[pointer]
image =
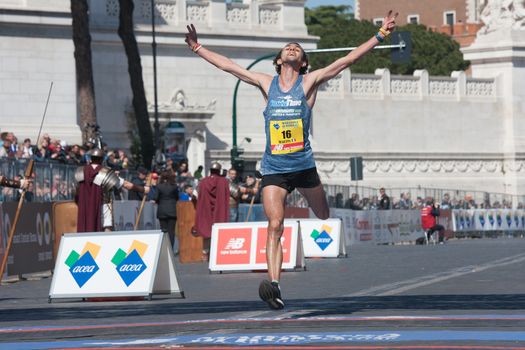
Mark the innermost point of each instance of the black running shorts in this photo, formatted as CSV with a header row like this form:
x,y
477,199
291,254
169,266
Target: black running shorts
x,y
307,178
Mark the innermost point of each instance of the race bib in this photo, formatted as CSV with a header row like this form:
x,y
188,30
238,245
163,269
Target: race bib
x,y
286,136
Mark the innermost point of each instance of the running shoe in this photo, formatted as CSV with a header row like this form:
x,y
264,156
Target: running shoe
x,y
270,293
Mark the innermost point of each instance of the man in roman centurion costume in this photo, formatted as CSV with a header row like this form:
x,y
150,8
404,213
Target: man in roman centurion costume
x,y
94,194
5,182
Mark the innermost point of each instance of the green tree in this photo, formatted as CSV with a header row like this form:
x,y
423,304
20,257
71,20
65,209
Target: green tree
x,y
438,53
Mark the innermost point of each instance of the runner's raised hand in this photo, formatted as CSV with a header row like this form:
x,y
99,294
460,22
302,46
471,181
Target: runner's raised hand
x,y
191,36
389,22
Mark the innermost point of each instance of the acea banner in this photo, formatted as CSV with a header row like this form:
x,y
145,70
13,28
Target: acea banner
x,y
322,238
105,264
466,220
242,246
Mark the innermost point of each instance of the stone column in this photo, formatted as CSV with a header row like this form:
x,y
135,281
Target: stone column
x,y
499,51
287,15
218,13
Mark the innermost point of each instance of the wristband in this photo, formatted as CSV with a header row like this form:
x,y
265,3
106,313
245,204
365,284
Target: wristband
x,y
384,32
196,47
379,37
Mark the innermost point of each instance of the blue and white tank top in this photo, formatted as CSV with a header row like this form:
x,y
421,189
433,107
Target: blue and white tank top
x,y
287,123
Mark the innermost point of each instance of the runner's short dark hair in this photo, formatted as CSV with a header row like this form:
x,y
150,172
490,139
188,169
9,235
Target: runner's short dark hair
x,y
303,69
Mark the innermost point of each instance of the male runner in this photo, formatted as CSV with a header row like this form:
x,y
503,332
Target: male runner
x,y
288,161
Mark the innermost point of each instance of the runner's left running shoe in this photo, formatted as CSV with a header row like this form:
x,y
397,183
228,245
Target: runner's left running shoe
x,y
271,294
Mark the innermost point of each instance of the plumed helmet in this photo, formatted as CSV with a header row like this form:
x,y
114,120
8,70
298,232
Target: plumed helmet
x,y
97,152
216,166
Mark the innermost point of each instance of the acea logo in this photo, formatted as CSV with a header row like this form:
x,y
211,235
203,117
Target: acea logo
x,y
130,265
322,239
83,266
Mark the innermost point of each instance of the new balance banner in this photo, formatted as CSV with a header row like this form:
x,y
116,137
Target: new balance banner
x,y
242,246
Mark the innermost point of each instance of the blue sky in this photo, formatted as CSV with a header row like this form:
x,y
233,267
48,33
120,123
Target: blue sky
x,y
315,3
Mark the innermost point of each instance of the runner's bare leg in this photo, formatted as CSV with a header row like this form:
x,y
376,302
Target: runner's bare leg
x,y
274,200
316,198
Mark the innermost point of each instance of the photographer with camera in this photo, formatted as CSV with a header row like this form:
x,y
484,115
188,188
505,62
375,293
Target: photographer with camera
x,y
429,221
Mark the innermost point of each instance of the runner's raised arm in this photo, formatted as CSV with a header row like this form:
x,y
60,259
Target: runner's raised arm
x,y
322,75
260,80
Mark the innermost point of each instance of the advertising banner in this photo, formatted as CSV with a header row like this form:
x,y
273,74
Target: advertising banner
x,y
322,238
110,264
126,212
408,222
379,226
468,220
32,247
347,218
445,219
242,246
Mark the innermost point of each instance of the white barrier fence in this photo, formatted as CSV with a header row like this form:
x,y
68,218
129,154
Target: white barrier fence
x,y
469,220
379,226
125,213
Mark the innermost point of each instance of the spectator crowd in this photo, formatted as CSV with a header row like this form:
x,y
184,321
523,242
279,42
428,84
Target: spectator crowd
x,y
57,184
48,149
55,161
446,201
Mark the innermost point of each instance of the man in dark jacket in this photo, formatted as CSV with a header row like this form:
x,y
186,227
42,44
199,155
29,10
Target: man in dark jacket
x,y
384,200
166,196
140,181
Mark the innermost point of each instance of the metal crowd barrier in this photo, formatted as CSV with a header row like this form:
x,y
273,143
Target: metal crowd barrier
x,y
55,181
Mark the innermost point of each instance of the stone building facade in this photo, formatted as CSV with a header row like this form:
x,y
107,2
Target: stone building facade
x,y
440,132
458,18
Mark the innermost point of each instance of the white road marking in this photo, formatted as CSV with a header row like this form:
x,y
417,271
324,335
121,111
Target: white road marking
x,y
403,286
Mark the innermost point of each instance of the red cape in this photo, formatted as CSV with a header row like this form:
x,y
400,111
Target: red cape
x,y
212,204
89,201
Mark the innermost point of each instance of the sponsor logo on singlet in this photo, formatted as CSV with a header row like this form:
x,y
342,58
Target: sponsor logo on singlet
x,y
286,101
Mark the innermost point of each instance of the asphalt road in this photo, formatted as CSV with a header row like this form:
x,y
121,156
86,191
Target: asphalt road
x,y
464,294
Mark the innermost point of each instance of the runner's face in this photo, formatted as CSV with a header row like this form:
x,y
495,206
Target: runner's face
x,y
292,53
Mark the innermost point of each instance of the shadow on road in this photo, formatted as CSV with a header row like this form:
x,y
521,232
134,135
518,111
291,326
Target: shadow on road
x,y
317,307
